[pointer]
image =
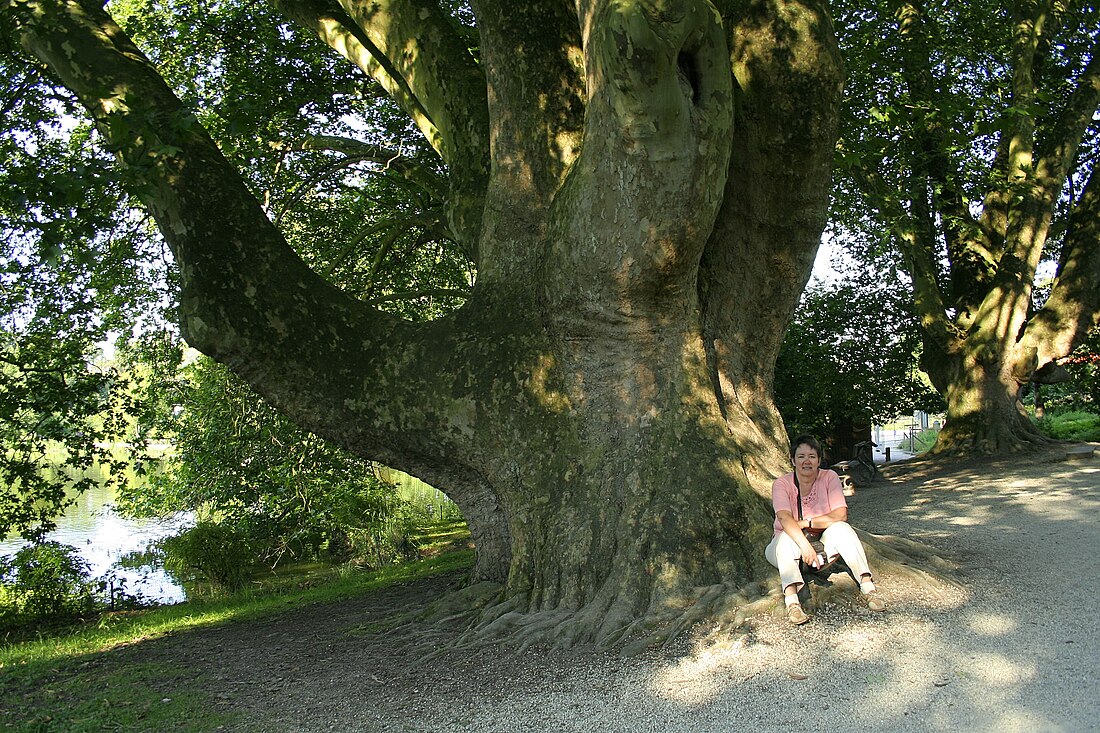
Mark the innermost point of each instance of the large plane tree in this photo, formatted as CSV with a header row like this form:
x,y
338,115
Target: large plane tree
x,y
641,186
971,143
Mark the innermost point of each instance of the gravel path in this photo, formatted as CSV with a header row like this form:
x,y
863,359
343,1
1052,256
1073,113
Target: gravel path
x,y
1010,651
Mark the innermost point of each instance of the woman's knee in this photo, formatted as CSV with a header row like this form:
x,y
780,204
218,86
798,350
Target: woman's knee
x,y
840,528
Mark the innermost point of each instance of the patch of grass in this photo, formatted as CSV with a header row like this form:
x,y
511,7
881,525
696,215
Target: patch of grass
x,y
82,697
1077,425
925,439
126,628
443,537
62,684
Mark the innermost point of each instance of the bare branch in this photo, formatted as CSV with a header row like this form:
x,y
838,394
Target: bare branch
x,y
359,151
412,294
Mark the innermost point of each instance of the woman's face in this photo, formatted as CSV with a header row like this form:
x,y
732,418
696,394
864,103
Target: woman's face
x,y
806,461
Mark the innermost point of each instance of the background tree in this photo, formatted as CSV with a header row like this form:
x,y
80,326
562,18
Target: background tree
x,y
850,356
640,186
970,140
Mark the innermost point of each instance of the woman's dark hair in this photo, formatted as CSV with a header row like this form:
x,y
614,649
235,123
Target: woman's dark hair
x,y
807,440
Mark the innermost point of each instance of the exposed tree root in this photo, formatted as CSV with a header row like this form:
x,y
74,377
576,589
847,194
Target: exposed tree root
x,y
989,441
895,560
476,616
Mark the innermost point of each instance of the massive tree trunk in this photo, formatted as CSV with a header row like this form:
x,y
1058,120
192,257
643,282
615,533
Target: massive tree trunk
x,y
983,409
643,184
974,270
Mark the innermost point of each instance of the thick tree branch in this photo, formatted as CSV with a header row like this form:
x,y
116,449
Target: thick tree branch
x,y
236,268
1073,308
656,138
1014,148
1036,184
415,51
336,28
1029,19
531,50
1058,149
386,389
788,76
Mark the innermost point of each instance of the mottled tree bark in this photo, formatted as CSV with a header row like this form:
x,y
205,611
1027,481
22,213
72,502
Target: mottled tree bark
x,y
600,409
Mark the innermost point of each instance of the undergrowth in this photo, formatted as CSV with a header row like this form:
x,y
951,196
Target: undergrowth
x,y
1075,425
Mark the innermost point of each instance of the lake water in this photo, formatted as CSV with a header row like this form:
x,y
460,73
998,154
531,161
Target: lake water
x,y
102,537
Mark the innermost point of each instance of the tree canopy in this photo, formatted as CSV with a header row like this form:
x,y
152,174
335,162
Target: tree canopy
x,y
970,144
850,357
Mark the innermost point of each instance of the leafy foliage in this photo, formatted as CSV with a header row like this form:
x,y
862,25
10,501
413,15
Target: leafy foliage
x,y
850,354
46,580
71,271
219,551
80,263
1073,425
352,184
266,489
49,584
1082,391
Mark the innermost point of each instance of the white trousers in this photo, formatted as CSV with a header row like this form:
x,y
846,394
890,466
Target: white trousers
x,y
839,539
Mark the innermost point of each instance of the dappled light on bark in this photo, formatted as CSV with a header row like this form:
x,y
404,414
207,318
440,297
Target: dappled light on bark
x,y
641,194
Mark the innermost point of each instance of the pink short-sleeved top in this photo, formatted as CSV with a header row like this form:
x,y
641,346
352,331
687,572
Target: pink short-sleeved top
x,y
826,495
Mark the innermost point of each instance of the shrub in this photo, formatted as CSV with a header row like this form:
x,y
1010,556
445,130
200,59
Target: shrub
x,y
46,581
388,537
1073,425
222,553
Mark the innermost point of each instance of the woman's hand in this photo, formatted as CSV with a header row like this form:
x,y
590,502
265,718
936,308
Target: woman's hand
x,y
809,555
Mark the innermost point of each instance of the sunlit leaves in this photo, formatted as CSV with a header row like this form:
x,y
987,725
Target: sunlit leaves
x,y
241,463
81,263
850,354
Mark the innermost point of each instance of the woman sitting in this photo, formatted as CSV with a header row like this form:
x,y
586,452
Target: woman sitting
x,y
811,500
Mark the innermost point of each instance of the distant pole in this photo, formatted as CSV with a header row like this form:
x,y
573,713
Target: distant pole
x,y
886,451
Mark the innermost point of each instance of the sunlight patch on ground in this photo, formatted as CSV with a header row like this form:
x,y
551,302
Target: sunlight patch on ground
x,y
966,521
1005,720
863,642
702,676
997,669
991,624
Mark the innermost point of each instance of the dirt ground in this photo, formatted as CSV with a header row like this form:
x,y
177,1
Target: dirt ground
x,y
1011,648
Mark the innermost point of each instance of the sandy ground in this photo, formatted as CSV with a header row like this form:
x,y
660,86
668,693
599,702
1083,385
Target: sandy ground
x,y
1012,649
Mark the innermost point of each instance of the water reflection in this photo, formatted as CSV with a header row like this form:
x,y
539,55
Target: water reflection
x,y
102,537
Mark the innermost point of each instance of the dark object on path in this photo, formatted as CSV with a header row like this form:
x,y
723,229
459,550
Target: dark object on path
x,y
861,470
1080,452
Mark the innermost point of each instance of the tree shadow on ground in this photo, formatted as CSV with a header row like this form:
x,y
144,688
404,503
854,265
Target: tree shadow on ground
x,y
1005,652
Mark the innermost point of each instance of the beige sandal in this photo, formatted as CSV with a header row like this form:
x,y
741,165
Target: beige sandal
x,y
874,601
